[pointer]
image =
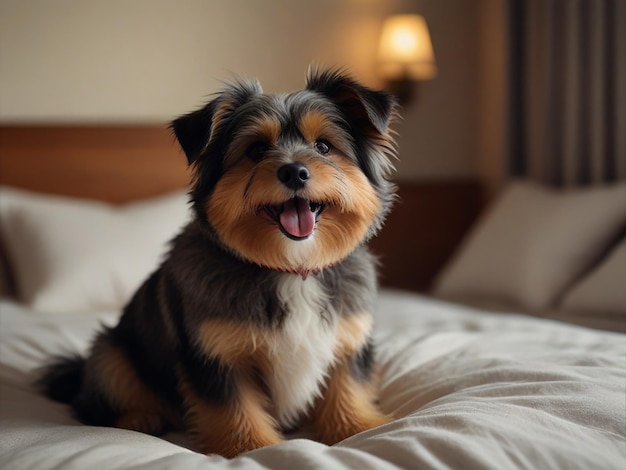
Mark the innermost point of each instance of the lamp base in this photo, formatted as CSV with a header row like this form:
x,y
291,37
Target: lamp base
x,y
403,88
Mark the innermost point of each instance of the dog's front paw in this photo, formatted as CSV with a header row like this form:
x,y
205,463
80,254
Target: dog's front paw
x,y
149,423
232,446
241,446
335,431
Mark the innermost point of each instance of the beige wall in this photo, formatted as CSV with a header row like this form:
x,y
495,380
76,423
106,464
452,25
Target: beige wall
x,y
148,60
121,61
438,135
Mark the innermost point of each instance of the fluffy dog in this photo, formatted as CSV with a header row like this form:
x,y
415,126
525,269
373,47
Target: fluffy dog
x,y
259,318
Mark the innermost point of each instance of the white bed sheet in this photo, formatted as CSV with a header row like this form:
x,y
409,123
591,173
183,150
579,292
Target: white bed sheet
x,y
469,389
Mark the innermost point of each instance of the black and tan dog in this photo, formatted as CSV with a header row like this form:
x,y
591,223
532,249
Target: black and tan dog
x,y
259,318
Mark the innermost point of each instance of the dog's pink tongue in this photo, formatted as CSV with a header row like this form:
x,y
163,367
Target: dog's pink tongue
x,y
297,218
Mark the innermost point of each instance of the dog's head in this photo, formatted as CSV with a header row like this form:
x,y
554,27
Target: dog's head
x,y
293,182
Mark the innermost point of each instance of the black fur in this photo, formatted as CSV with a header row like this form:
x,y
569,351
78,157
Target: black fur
x,y
63,378
150,311
363,363
91,406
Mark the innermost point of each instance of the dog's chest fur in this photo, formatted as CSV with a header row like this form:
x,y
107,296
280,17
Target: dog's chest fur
x,y
302,349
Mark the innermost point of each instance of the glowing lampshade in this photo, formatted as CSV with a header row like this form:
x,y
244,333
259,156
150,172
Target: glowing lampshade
x,y
406,51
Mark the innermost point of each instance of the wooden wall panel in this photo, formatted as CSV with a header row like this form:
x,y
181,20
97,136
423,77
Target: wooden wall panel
x,y
114,164
424,229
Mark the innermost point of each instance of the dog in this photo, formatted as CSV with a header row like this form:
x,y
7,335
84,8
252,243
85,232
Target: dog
x,y
258,320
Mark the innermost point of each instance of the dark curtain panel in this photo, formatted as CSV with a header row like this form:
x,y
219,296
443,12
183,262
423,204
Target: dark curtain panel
x,y
567,90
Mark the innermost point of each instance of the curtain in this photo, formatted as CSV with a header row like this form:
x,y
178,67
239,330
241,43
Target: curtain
x,y
567,90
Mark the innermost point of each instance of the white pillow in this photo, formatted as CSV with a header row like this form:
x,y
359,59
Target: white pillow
x,y
603,289
532,244
71,255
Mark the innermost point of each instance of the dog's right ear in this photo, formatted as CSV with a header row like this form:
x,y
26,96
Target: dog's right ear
x,y
197,130
193,130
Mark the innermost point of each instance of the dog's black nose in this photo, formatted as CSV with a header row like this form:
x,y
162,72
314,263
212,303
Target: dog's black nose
x,y
293,175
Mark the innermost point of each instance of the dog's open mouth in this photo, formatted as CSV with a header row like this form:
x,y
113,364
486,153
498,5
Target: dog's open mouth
x,y
296,217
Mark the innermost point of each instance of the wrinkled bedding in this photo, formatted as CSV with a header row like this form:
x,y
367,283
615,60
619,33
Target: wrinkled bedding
x,y
469,389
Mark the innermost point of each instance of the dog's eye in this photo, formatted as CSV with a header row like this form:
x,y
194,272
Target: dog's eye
x,y
322,146
257,150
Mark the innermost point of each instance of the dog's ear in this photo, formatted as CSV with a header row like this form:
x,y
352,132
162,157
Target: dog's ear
x,y
197,130
370,110
193,130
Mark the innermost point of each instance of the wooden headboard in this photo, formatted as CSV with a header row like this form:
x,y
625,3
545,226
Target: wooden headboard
x,y
121,164
113,164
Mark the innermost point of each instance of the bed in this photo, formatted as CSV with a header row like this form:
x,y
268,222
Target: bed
x,y
494,372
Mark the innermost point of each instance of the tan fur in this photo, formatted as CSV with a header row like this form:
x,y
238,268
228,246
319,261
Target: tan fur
x,y
224,108
264,128
233,342
315,125
139,408
233,428
235,209
346,408
352,334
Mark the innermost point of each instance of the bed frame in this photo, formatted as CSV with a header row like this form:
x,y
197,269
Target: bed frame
x,y
119,164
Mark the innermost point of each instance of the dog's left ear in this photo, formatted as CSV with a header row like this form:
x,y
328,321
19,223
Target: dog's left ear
x,y
197,130
369,109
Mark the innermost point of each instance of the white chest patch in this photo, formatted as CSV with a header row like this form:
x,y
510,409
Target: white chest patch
x,y
302,349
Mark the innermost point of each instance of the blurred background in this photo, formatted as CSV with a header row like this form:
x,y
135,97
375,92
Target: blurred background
x,y
497,70
146,61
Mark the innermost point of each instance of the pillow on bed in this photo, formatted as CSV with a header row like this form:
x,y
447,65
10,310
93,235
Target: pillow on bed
x,y
532,244
603,289
70,255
